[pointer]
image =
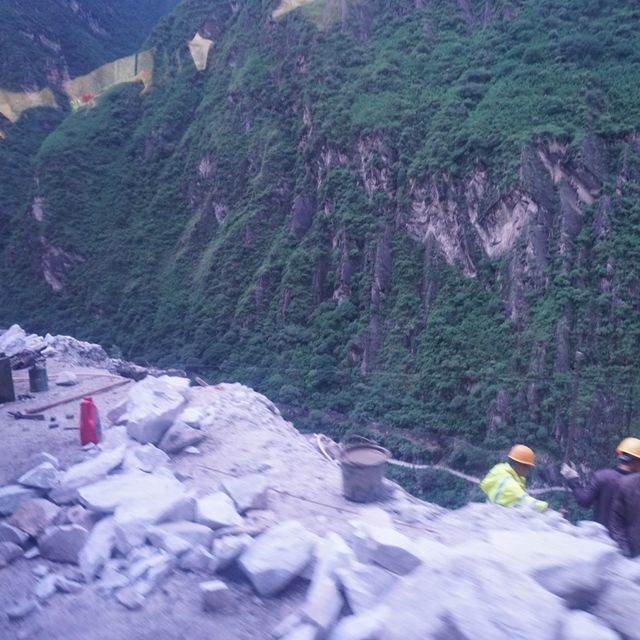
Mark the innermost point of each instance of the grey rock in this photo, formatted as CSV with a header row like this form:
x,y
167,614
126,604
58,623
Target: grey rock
x,y
40,570
46,587
302,632
216,596
193,417
179,436
364,585
67,379
133,519
193,532
287,625
277,557
183,509
393,550
227,549
63,543
76,514
194,451
199,560
145,458
63,496
44,476
493,608
9,552
22,609
34,516
92,470
98,549
130,597
152,406
618,609
323,604
105,496
580,625
13,495
111,579
247,492
365,626
117,415
9,533
147,573
217,510
32,552
169,542
64,585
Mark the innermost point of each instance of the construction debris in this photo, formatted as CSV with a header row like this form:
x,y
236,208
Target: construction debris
x,y
136,516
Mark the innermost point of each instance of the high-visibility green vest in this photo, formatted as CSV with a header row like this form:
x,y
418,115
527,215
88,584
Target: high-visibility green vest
x,y
505,487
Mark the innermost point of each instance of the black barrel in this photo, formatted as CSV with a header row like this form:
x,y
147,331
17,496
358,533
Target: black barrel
x,y
38,380
7,393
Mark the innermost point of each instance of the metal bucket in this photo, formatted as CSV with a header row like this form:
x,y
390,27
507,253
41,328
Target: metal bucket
x,y
38,380
363,466
7,392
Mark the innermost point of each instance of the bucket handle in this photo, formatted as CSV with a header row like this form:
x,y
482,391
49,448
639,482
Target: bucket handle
x,y
356,439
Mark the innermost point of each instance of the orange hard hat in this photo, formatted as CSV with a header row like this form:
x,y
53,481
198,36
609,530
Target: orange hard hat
x,y
522,454
630,446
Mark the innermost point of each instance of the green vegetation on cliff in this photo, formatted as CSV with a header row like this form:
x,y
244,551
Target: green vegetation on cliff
x,y
260,221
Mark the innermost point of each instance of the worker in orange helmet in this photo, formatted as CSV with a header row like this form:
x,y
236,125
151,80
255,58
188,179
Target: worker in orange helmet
x,y
601,490
506,483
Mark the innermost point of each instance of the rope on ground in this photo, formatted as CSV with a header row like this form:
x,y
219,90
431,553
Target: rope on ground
x,y
419,527
324,443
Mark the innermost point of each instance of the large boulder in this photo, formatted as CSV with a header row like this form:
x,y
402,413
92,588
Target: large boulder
x,y
277,557
247,492
568,566
152,406
9,533
217,510
580,625
44,476
12,496
92,470
618,608
194,533
98,548
134,518
64,543
179,436
364,585
105,496
15,339
34,516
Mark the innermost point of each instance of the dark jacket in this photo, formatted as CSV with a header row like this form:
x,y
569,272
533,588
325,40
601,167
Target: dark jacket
x,y
625,516
599,493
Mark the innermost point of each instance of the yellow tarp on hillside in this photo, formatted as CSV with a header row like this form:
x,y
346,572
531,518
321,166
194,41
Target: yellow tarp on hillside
x,y
199,49
135,68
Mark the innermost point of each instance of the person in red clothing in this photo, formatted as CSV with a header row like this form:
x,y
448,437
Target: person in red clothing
x,y
601,490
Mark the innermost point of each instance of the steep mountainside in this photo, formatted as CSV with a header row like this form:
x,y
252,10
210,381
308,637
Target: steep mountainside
x,y
420,212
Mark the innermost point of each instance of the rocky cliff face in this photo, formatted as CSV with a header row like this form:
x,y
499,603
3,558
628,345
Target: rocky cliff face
x,y
422,214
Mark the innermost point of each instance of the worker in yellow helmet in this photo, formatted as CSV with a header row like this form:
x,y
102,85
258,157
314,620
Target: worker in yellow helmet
x,y
625,513
601,489
506,483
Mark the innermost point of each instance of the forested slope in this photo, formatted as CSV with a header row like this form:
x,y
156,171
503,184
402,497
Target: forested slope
x,y
421,214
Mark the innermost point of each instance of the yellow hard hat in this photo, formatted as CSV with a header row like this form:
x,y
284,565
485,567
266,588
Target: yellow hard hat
x,y
522,454
630,446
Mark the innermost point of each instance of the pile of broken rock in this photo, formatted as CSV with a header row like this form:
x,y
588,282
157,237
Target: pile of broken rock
x,y
121,521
